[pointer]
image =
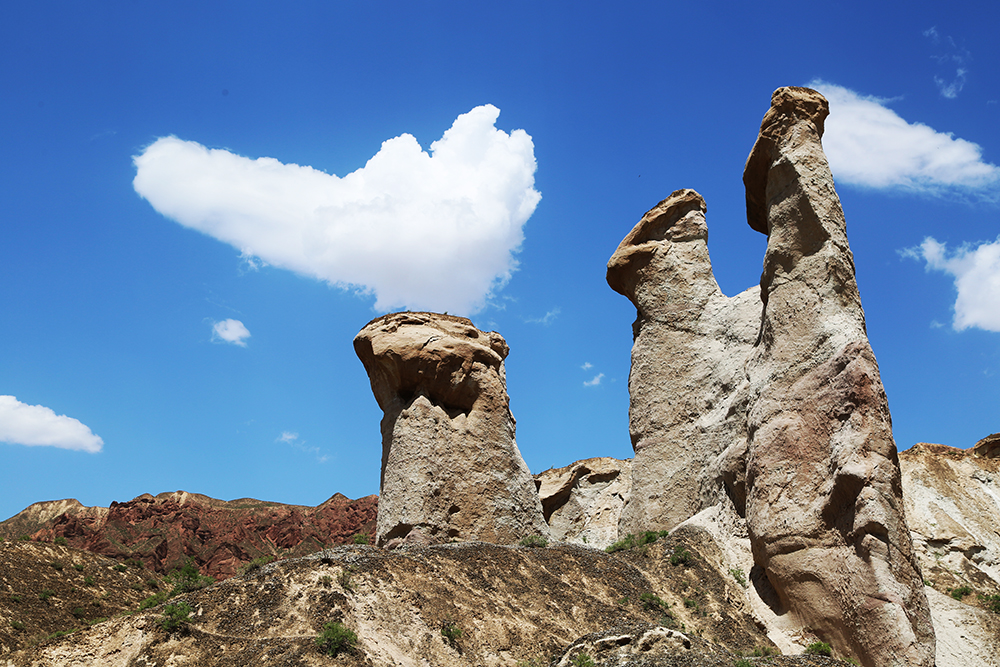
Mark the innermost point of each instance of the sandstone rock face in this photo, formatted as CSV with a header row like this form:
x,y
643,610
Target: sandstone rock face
x,y
824,500
687,383
582,503
451,469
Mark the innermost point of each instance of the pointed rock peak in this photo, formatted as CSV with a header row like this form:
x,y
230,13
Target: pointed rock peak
x,y
796,115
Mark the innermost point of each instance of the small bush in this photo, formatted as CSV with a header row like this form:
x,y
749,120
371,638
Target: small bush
x,y
961,592
344,579
25,538
78,567
992,602
582,660
819,648
175,616
79,612
120,568
763,651
153,584
651,602
681,556
15,597
96,603
135,586
631,541
95,621
738,576
154,600
361,538
451,632
187,578
57,565
45,595
255,564
17,625
135,562
742,662
326,580
88,580
336,639
61,541
690,604
534,541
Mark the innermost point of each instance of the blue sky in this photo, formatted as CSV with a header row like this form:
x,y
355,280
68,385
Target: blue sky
x,y
173,312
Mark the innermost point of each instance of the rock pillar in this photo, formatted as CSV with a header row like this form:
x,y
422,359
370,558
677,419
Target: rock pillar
x,y
451,469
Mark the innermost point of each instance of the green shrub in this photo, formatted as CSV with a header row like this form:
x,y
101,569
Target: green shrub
x,y
175,616
45,595
344,579
135,562
78,567
819,648
336,639
451,632
17,625
631,541
534,541
79,612
681,556
88,580
61,541
992,602
120,568
763,651
187,578
16,597
690,604
255,564
57,565
25,538
361,538
742,662
651,602
582,660
961,592
326,580
96,621
153,584
154,600
738,576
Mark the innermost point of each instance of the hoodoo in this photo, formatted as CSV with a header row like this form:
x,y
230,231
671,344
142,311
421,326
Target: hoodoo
x,y
824,498
451,469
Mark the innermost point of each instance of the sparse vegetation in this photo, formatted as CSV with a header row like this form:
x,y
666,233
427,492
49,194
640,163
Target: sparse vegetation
x,y
326,580
17,625
152,584
175,616
255,564
187,578
652,602
344,579
763,651
961,592
78,567
582,660
681,556
819,648
451,632
690,603
336,639
154,600
361,538
45,595
742,662
120,568
738,575
58,566
95,621
534,541
992,602
632,541
15,597
134,562
88,580
61,541
79,612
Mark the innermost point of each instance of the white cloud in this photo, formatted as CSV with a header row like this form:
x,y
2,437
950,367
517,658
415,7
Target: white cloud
x,y
949,86
977,278
230,331
595,381
547,319
287,436
587,366
34,425
421,230
291,438
869,145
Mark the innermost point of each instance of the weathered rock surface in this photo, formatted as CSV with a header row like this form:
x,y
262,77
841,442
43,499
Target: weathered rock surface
x,y
988,447
582,502
163,531
687,382
451,469
824,500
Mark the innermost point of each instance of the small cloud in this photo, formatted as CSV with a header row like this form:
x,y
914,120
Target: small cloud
x,y
290,438
952,56
951,89
251,262
547,319
36,425
430,230
869,145
976,271
595,381
587,366
932,33
230,331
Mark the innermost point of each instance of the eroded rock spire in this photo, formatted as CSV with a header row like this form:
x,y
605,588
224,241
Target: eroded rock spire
x,y
451,469
687,386
824,499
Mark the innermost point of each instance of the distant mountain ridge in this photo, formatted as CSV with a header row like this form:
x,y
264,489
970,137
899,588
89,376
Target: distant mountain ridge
x,y
163,531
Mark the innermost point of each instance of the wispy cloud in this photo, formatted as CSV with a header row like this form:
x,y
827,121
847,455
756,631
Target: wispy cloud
x,y
870,145
433,230
587,366
950,56
546,319
292,438
976,271
230,331
36,425
596,380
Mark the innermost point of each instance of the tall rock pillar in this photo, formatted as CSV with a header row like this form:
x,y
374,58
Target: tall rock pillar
x,y
687,385
824,499
451,469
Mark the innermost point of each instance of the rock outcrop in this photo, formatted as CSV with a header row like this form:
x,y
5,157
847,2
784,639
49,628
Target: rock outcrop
x,y
824,499
582,502
687,385
451,469
163,531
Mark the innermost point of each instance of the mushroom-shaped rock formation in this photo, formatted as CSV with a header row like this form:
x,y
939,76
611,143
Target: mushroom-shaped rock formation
x,y
824,501
687,385
451,469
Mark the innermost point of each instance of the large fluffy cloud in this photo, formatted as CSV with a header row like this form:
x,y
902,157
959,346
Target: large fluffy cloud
x,y
421,230
23,424
869,145
976,271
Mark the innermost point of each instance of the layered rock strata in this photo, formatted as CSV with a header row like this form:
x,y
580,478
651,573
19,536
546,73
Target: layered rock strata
x,y
451,469
824,499
687,383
